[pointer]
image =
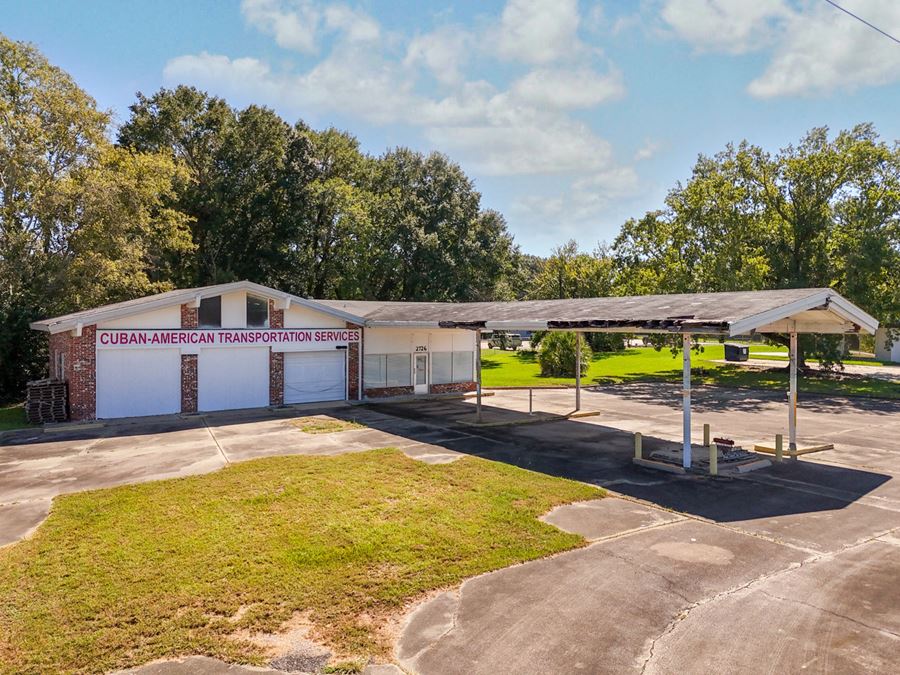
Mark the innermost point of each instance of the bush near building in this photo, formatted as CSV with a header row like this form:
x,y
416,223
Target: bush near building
x,y
557,355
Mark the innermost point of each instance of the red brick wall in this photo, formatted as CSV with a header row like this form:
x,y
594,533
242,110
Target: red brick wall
x,y
383,392
82,375
353,352
276,359
188,383
189,319
452,388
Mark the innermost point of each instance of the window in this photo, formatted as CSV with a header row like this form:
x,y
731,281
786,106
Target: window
x,y
210,313
463,367
441,367
387,370
257,312
447,367
374,371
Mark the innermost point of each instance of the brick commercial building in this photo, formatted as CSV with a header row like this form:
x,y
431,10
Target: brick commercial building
x,y
243,345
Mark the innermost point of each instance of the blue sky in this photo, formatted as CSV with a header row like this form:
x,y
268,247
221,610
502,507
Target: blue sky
x,y
570,116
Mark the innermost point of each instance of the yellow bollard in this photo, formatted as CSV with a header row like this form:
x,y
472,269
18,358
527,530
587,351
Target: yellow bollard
x,y
638,449
779,447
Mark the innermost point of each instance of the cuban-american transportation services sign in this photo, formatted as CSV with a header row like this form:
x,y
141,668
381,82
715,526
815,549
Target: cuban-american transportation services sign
x,y
191,340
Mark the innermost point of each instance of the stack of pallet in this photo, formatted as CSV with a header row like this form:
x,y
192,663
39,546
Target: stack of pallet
x,y
45,401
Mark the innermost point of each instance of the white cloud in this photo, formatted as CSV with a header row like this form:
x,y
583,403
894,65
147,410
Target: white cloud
x,y
357,26
538,31
443,52
647,150
816,48
823,50
733,26
293,26
566,88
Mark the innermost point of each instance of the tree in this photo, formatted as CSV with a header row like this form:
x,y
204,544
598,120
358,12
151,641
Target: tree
x,y
570,273
823,213
557,355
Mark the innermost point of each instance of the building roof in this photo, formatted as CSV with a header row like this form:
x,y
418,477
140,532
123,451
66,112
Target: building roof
x,y
804,310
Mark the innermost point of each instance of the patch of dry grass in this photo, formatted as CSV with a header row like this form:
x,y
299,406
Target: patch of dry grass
x,y
324,424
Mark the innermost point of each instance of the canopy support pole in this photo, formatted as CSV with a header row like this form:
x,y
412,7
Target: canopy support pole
x,y
478,375
577,371
792,396
686,400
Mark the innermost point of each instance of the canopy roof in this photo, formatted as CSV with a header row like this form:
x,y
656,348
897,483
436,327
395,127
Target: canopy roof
x,y
802,310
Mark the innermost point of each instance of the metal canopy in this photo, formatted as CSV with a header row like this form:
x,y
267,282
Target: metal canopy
x,y
803,310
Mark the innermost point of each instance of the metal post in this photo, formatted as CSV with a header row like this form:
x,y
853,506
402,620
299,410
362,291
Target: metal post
x,y
577,371
638,445
686,401
779,447
706,442
478,375
792,397
530,400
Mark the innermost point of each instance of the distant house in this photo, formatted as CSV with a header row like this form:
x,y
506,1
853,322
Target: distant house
x,y
886,348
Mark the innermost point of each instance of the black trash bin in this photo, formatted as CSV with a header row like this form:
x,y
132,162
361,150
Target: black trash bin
x,y
737,352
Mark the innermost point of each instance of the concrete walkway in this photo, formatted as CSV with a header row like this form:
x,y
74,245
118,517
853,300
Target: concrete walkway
x,y
879,372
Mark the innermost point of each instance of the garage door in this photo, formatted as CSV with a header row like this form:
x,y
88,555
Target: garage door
x,y
228,379
135,382
314,376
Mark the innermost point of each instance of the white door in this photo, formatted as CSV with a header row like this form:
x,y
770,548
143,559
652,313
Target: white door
x,y
228,379
420,373
137,382
315,376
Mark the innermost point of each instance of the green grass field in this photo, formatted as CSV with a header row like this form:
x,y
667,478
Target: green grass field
x,y
521,369
118,577
12,417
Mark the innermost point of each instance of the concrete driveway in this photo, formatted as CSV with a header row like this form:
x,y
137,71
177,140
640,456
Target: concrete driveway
x,y
792,568
796,567
36,466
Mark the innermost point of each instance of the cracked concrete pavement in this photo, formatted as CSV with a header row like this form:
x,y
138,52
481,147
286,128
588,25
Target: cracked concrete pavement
x,y
796,567
792,568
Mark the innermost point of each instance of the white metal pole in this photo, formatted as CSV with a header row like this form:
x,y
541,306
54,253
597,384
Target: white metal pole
x,y
577,371
478,375
792,397
686,400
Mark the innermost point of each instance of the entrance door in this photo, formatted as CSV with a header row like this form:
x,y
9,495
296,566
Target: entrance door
x,y
420,373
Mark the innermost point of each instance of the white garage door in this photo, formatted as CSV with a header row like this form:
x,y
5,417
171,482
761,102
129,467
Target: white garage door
x,y
228,379
314,376
134,382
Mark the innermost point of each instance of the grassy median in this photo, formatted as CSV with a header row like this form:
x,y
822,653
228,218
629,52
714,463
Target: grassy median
x,y
121,576
521,369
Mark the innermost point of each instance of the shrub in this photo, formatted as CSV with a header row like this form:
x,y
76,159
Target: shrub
x,y
606,342
557,355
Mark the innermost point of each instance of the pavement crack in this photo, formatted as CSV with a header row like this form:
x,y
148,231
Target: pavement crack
x,y
830,613
215,440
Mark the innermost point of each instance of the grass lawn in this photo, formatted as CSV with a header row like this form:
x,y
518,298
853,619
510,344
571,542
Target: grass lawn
x,y
324,424
118,577
521,369
12,417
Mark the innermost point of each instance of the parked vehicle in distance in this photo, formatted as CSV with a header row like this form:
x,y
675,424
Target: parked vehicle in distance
x,y
504,341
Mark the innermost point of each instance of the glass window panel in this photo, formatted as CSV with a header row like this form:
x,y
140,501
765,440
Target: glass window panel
x,y
257,312
210,313
399,370
441,367
374,371
462,366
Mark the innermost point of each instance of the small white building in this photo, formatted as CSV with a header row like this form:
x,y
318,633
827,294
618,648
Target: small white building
x,y
243,345
886,348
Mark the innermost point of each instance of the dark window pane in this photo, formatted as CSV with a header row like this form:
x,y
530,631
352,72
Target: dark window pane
x,y
210,314
257,312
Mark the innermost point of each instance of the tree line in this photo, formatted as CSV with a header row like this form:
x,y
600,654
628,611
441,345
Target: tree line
x,y
191,191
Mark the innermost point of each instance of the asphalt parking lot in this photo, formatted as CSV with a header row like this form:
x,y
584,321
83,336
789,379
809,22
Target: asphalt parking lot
x,y
795,567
